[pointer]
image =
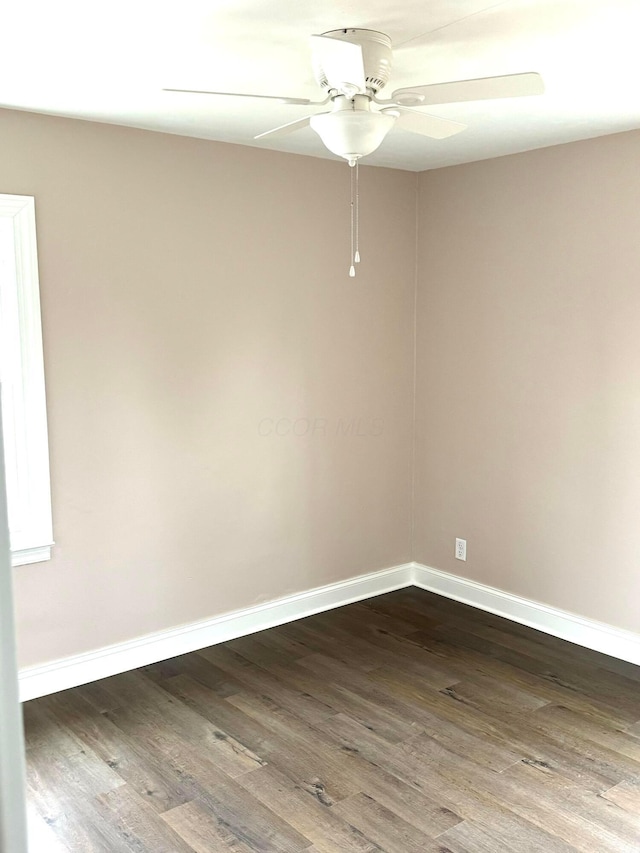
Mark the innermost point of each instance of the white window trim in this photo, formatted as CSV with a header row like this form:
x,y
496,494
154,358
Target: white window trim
x,y
26,410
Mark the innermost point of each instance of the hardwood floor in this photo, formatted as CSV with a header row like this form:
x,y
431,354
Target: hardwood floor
x,y
405,724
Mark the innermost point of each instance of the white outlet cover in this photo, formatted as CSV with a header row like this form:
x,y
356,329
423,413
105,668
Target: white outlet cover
x,y
461,549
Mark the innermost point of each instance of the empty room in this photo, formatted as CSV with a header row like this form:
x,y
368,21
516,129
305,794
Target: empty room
x,y
320,421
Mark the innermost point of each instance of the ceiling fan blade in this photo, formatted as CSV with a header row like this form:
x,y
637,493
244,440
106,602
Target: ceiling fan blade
x,y
341,62
285,129
480,89
282,100
424,124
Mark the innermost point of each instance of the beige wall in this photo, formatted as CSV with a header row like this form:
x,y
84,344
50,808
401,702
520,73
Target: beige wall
x,y
195,302
191,290
528,406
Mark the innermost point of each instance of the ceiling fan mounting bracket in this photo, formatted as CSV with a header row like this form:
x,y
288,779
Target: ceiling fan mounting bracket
x,y
376,53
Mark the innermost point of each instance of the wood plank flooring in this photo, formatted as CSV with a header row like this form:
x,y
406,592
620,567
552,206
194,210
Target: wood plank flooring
x,y
404,724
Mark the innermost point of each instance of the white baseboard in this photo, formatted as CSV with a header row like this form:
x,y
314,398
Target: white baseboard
x,y
79,669
72,671
598,636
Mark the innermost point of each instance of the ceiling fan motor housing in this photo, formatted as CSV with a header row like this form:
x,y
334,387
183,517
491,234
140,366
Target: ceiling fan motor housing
x,y
376,53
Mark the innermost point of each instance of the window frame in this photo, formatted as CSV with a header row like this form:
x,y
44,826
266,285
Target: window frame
x,y
24,410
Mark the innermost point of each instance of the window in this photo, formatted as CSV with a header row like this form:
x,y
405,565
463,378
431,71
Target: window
x,y
24,416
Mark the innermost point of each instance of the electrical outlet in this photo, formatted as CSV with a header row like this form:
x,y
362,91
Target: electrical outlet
x,y
461,549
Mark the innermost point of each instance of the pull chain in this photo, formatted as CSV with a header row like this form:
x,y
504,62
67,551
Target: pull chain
x,y
355,216
352,269
356,257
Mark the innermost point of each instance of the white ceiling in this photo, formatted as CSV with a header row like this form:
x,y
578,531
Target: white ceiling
x,y
108,61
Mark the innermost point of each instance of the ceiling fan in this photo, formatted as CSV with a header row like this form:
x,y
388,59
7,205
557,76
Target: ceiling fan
x,y
352,66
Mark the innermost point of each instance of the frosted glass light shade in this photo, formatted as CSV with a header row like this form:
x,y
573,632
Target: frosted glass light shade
x,y
352,134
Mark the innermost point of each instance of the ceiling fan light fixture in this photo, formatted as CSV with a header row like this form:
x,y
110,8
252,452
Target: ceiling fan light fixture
x,y
352,134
